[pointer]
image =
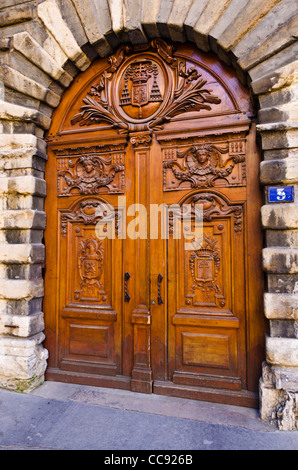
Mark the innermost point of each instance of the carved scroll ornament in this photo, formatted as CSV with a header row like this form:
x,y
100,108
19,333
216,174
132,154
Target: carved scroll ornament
x,y
145,79
200,165
88,174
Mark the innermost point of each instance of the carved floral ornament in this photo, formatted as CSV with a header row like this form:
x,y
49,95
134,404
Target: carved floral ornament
x,y
143,94
90,173
200,165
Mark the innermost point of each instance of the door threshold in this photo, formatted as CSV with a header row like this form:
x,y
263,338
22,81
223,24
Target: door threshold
x,y
118,381
228,397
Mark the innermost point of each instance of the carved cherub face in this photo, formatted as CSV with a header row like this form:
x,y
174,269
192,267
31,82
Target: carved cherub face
x,y
202,156
88,165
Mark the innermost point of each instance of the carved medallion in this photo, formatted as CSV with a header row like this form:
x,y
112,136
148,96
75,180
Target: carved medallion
x,y
143,94
142,86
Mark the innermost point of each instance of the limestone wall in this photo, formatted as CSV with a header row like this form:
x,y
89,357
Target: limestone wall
x,y
43,46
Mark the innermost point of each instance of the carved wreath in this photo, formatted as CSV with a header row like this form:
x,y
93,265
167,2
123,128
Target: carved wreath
x,y
190,94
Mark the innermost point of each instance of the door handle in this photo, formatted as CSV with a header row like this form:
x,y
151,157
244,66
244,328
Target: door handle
x,y
159,298
126,295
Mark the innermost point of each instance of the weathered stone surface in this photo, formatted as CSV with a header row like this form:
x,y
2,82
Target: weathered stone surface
x,y
280,216
224,21
283,96
23,307
26,219
14,112
71,18
282,351
281,306
279,78
286,57
23,185
10,3
96,21
279,405
116,12
268,36
21,289
269,400
20,325
283,329
193,15
282,238
19,82
285,378
22,362
21,253
278,135
18,14
18,144
245,21
280,260
150,10
176,18
209,16
50,15
283,113
279,171
32,50
132,21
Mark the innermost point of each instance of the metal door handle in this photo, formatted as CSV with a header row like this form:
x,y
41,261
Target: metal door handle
x,y
126,295
159,298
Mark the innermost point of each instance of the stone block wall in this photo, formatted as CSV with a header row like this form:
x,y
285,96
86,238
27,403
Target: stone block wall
x,y
44,44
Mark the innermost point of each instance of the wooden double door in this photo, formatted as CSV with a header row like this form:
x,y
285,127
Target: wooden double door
x,y
133,299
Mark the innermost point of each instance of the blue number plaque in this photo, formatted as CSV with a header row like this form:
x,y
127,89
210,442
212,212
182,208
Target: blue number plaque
x,y
281,194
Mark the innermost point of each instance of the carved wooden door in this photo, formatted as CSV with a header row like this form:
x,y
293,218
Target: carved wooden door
x,y
148,128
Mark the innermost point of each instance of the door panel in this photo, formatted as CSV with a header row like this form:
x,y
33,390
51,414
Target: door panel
x,y
155,126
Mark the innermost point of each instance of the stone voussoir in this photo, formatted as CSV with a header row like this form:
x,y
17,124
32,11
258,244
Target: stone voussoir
x,y
25,44
25,85
50,15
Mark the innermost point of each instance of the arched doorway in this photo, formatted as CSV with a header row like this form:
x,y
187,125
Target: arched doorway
x,y
155,125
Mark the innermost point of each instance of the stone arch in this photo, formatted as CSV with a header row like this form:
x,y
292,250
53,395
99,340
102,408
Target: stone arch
x,y
44,44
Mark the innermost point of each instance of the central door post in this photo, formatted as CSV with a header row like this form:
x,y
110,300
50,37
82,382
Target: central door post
x,y
141,316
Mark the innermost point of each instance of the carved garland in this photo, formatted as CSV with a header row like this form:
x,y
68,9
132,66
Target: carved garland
x,y
202,165
90,172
